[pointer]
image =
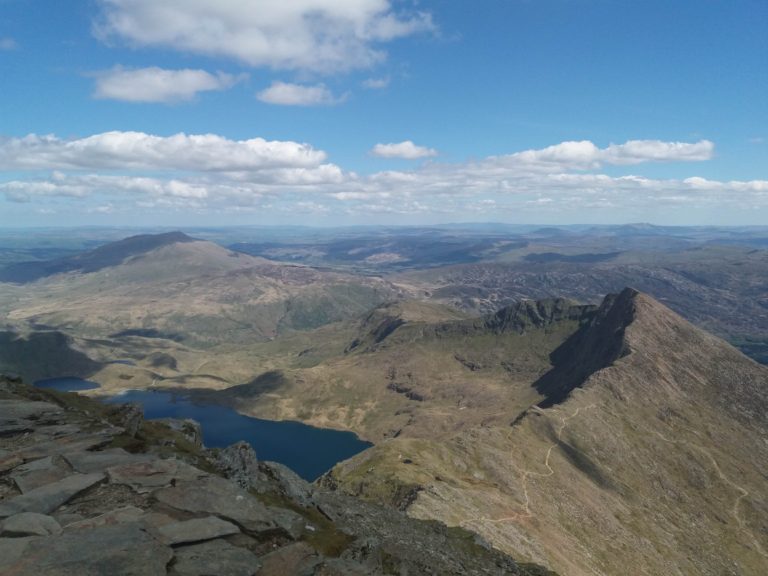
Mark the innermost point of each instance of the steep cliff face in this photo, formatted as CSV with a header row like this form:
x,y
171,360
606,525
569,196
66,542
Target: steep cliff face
x,y
648,455
91,489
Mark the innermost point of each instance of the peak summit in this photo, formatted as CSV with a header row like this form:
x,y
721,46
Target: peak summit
x,y
104,256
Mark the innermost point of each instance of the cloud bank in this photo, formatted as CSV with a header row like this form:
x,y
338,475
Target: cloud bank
x,y
209,173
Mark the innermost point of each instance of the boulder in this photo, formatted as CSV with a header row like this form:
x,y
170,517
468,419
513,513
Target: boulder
x,y
238,463
128,416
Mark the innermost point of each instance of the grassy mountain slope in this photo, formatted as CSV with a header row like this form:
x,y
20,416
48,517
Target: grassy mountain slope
x,y
655,462
175,287
416,370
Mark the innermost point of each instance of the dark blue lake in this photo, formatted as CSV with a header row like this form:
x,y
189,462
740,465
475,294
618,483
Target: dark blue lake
x,y
307,450
67,384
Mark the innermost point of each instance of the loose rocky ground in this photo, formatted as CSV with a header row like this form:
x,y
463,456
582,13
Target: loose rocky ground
x,y
87,489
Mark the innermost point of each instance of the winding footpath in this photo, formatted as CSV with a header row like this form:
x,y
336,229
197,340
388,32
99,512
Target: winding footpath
x,y
526,512
743,492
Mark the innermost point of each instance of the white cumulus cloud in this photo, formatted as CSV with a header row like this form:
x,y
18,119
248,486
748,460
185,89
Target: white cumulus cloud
x,y
157,84
137,150
317,35
209,173
585,155
287,94
7,43
406,150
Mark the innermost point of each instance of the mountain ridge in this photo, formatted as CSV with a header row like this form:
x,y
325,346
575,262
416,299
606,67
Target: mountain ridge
x,y
665,432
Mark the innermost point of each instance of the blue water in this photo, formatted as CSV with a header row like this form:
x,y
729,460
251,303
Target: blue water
x,y
307,450
67,384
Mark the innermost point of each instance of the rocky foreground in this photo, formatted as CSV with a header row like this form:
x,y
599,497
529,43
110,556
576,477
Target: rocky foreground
x,y
88,489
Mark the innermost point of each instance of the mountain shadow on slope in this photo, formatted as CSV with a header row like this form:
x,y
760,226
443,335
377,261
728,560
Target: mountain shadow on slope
x,y
43,355
596,345
102,257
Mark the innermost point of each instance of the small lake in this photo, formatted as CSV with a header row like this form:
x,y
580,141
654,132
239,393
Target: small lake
x,y
67,384
307,450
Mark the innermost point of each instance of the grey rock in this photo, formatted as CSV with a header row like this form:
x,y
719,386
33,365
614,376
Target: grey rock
x,y
71,443
49,497
12,550
27,410
289,521
129,416
288,483
10,461
214,495
238,463
214,558
152,474
15,427
121,550
29,524
39,472
67,518
297,559
196,530
86,462
339,567
119,516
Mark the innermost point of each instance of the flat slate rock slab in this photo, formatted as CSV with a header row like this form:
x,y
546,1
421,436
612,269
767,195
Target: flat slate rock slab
x,y
12,550
46,499
297,559
29,524
25,410
39,448
215,557
118,516
121,550
39,472
152,474
86,462
217,496
196,530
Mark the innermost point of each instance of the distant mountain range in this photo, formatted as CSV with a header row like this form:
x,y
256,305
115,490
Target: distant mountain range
x,y
591,433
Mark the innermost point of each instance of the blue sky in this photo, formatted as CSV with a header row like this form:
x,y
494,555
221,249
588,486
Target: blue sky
x,y
379,111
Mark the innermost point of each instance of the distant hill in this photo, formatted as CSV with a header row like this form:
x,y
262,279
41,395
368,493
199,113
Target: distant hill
x,y
105,256
171,284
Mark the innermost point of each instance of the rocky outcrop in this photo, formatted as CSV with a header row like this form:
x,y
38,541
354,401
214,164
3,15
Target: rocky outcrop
x,y
86,491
